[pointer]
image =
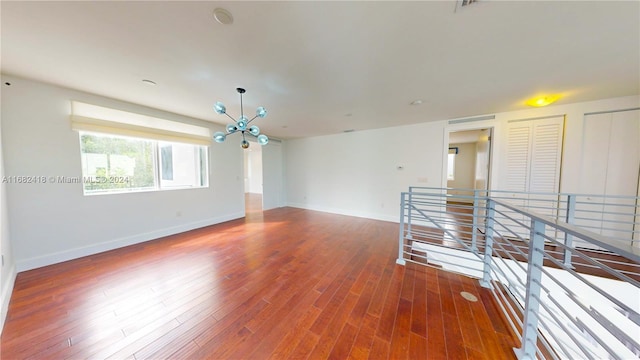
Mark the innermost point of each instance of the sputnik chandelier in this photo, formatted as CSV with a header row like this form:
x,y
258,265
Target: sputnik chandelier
x,y
242,124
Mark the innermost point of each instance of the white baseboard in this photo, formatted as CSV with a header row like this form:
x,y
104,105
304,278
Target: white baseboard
x,y
360,214
5,295
49,259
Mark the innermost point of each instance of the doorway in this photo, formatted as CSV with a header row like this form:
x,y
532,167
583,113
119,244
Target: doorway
x,y
253,178
263,172
468,161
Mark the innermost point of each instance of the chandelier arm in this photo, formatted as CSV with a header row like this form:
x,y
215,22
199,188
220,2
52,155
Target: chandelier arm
x,y
231,117
253,118
241,107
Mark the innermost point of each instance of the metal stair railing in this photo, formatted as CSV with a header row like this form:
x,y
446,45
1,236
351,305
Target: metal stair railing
x,y
560,300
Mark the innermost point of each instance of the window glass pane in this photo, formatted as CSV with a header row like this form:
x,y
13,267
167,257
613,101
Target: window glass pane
x,y
116,164
166,160
181,165
451,166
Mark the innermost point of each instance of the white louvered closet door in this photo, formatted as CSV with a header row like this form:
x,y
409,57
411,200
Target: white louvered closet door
x,y
534,154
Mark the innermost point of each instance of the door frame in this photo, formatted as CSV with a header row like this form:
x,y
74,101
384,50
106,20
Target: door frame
x,y
470,127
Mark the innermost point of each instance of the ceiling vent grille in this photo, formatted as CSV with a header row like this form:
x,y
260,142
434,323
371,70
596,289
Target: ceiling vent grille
x,y
464,3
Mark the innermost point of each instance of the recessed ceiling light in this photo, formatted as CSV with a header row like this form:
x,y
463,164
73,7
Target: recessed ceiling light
x,y
543,100
149,82
416,102
223,16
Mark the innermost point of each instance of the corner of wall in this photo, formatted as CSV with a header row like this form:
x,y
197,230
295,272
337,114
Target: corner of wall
x,y
5,295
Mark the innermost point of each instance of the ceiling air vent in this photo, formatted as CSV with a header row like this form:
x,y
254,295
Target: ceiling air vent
x,y
464,3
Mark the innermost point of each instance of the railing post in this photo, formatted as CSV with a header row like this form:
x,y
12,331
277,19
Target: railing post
x,y
474,222
409,236
488,246
568,238
528,347
400,260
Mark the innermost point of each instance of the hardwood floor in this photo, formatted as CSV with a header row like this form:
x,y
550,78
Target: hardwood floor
x,y
284,284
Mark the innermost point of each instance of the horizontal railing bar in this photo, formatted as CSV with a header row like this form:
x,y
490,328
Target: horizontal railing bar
x,y
448,232
524,192
607,204
512,312
518,263
598,264
588,311
597,339
570,333
596,288
631,253
615,331
440,220
543,339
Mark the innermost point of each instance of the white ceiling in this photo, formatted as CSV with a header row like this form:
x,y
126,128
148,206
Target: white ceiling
x,y
311,64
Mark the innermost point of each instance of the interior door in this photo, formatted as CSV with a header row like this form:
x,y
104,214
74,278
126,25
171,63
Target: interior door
x,y
483,148
610,166
534,154
483,162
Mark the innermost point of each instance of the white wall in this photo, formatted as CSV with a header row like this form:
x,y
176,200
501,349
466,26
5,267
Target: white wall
x,y
465,167
50,223
356,173
255,169
272,169
8,267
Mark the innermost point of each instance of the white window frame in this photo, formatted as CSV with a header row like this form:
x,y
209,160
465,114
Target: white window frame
x,y
201,150
451,164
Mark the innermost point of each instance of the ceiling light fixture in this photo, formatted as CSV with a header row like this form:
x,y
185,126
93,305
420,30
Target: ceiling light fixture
x,y
223,16
416,102
542,100
242,124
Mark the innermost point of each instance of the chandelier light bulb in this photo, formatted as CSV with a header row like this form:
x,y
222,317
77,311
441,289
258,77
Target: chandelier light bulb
x,y
220,108
231,128
242,123
261,112
219,136
263,139
254,130
244,144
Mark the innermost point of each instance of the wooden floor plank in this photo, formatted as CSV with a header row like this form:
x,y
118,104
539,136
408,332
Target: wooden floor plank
x,y
285,283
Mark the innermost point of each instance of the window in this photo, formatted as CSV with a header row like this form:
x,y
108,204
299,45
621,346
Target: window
x,y
114,164
451,163
451,167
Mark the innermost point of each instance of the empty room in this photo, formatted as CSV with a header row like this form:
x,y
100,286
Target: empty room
x,y
450,179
